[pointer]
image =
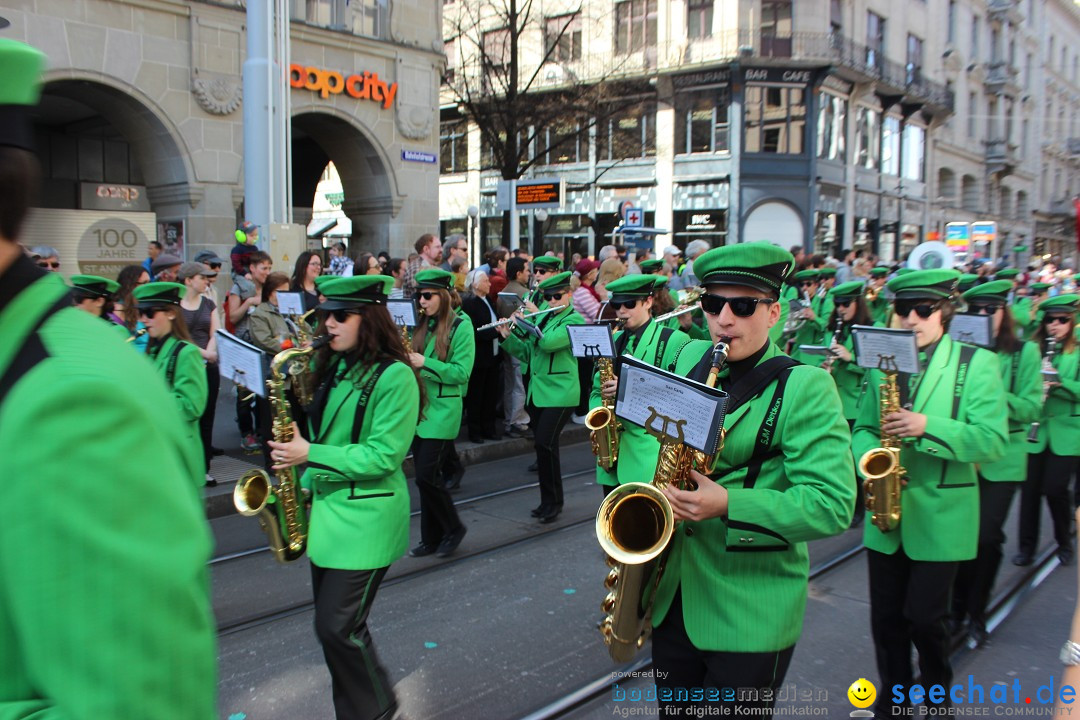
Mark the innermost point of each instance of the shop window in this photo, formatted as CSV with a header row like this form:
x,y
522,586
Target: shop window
x,y
635,25
562,38
890,146
832,128
454,146
775,119
630,133
868,137
701,121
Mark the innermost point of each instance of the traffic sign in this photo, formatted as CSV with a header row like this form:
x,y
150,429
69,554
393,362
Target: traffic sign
x,y
958,237
633,218
984,231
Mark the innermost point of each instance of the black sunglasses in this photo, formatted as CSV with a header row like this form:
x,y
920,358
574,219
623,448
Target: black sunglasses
x,y
541,271
553,296
46,264
1051,319
340,315
741,306
922,309
426,295
215,266
628,304
150,312
807,283
842,303
986,309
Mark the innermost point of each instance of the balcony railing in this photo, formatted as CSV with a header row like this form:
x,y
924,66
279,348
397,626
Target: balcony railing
x,y
1072,145
1004,10
1001,77
1001,156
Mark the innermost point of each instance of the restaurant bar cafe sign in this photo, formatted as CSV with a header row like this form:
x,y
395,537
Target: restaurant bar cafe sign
x,y
362,86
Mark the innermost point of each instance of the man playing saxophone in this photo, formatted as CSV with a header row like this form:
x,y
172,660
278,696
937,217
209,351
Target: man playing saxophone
x,y
641,338
952,415
728,615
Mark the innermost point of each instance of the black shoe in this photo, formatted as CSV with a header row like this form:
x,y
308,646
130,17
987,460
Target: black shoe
x,y
476,439
978,637
216,451
535,467
450,542
1023,559
1065,556
540,510
422,550
551,514
453,480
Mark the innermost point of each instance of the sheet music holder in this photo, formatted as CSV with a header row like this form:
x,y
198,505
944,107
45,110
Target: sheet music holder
x,y
972,329
667,403
872,344
290,303
815,350
241,363
402,312
591,341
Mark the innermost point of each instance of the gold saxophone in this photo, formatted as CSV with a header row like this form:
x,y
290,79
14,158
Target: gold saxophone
x,y
634,526
601,421
303,377
280,508
881,466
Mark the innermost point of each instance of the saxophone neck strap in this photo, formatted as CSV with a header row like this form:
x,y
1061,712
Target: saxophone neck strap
x,y
365,398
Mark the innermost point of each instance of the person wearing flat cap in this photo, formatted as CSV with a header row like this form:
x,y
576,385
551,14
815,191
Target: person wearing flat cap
x,y
849,309
953,417
631,297
1026,309
730,602
166,268
998,481
1056,447
554,387
360,427
92,294
543,267
814,316
879,304
444,351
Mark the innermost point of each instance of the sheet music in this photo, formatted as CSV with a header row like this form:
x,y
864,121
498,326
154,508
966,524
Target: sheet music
x,y
814,350
648,394
973,329
872,343
290,303
402,312
591,340
241,362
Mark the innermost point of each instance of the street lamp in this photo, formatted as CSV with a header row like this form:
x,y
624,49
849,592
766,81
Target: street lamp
x,y
474,214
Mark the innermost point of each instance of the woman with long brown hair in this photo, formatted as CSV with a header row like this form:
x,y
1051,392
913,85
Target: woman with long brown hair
x,y
444,351
360,427
308,267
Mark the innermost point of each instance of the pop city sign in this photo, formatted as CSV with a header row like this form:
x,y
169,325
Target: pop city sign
x,y
362,86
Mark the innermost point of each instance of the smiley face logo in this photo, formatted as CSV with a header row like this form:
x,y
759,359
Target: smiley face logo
x,y
862,693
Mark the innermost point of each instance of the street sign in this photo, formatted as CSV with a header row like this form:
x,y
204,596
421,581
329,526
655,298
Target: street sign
x,y
634,218
417,156
958,237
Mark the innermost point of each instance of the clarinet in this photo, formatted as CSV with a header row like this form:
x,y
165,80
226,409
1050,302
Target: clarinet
x,y
835,339
1047,365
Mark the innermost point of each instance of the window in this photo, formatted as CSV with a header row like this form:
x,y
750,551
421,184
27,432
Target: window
x,y
836,17
890,145
701,121
914,153
995,45
868,137
635,25
629,133
450,49
562,38
993,122
975,31
454,146
950,27
776,28
699,15
875,39
369,18
775,119
495,58
972,115
914,59
563,143
832,128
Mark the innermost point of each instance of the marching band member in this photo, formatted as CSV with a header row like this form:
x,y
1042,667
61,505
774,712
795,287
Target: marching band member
x,y
1012,275
966,282
998,481
553,385
849,303
106,610
92,294
1056,450
816,315
664,301
445,361
174,354
730,602
880,307
361,425
1026,309
641,338
957,419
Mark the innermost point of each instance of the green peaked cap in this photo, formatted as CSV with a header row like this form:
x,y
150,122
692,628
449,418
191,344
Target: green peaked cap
x,y
1039,287
967,280
989,292
808,274
435,279
935,283
649,267
759,265
1006,274
904,271
1069,303
20,89
847,290
879,271
323,279
827,272
156,294
344,293
631,286
660,281
555,282
93,286
552,264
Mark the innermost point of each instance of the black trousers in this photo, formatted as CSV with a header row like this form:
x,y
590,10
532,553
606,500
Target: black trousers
x,y
245,411
451,462
585,375
343,599
481,399
206,422
1048,475
975,578
438,518
548,425
680,668
909,604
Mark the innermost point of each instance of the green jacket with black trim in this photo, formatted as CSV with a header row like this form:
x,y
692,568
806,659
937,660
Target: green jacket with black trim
x,y
940,503
190,387
1060,416
743,577
1022,380
812,330
553,370
360,501
638,450
848,376
446,381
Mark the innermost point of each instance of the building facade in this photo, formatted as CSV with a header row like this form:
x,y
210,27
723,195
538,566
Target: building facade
x,y
830,124
140,125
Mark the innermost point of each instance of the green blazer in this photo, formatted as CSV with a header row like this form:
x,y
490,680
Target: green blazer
x,y
638,450
776,332
360,501
1021,376
812,331
189,386
940,504
1024,319
446,382
553,371
1060,417
744,576
848,376
881,309
104,591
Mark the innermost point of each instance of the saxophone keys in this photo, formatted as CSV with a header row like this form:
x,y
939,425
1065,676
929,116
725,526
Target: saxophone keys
x,y
608,606
612,579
